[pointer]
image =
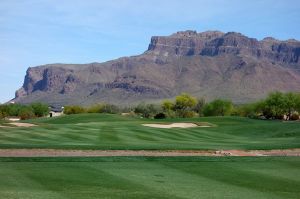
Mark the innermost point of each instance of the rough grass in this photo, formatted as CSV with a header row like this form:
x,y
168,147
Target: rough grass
x,y
137,177
104,131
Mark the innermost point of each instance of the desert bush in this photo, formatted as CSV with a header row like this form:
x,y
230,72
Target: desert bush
x,y
218,107
160,116
294,116
97,108
68,110
110,108
184,105
14,109
198,108
147,110
40,109
167,106
26,113
188,114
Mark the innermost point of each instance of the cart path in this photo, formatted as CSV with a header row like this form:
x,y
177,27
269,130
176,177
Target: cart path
x,y
145,153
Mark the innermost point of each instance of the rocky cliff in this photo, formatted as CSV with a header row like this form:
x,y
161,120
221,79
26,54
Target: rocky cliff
x,y
209,64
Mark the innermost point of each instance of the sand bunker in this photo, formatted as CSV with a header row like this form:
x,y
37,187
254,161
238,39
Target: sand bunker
x,y
17,124
174,125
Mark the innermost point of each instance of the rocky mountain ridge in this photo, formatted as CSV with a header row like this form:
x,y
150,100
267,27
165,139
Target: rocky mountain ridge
x,y
210,64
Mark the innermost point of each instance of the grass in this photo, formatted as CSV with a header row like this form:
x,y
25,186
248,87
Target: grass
x,y
150,177
137,177
104,131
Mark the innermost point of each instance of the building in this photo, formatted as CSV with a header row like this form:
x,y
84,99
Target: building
x,y
56,111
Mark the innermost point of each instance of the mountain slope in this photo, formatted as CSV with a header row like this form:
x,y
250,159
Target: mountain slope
x,y
210,64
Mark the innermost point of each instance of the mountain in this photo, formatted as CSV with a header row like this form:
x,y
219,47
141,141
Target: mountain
x,y
210,64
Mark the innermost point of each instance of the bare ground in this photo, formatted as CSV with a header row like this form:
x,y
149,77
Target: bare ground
x,y
146,153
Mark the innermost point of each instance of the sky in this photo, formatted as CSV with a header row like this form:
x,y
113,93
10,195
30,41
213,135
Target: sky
x,y
37,32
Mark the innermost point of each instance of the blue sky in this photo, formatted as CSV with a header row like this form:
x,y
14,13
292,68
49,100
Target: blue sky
x,y
36,32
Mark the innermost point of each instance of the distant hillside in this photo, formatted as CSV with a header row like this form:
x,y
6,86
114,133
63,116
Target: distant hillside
x,y
209,64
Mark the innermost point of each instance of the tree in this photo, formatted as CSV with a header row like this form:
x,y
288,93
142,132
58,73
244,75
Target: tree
x,y
148,110
26,113
40,109
275,104
167,106
198,108
292,104
184,105
14,109
218,107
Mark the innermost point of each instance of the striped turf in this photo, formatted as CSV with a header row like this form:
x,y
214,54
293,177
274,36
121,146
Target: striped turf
x,y
104,131
137,177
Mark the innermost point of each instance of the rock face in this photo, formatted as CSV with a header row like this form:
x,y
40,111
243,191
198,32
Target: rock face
x,y
209,64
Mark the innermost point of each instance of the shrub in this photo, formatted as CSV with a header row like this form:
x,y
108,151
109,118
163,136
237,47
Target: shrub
x,y
218,107
160,116
110,108
14,109
184,104
167,106
188,114
95,108
294,116
148,110
198,108
68,110
40,109
26,113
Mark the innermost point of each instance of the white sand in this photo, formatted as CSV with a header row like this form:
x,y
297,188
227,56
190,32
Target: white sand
x,y
173,125
19,124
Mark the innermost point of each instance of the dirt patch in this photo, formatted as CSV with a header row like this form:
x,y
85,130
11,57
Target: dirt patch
x,y
145,153
175,125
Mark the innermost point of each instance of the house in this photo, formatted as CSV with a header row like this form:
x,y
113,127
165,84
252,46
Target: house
x,y
55,111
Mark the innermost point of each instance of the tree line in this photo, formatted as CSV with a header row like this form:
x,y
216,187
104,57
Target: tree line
x,y
24,111
276,105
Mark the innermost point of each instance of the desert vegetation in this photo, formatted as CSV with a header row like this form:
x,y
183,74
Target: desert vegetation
x,y
277,105
24,111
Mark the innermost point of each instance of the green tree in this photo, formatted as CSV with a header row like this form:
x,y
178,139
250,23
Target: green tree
x,y
147,110
198,108
218,107
292,104
26,113
184,105
168,108
14,109
275,105
40,109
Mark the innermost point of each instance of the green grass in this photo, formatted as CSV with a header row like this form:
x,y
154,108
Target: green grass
x,y
104,131
137,177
